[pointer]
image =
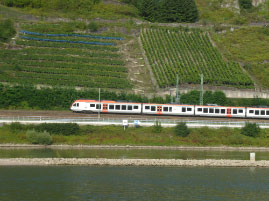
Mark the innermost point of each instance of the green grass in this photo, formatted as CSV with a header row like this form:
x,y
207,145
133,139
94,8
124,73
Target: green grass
x,y
115,135
214,11
249,46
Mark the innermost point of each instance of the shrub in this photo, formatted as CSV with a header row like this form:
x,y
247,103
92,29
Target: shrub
x,y
251,129
35,137
59,129
245,4
7,30
93,26
157,128
181,129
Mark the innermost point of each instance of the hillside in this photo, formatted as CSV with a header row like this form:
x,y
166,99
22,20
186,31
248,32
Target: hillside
x,y
99,52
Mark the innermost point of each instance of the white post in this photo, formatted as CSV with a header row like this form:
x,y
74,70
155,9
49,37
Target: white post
x,y
252,157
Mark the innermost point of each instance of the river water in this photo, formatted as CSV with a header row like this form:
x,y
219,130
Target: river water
x,y
132,183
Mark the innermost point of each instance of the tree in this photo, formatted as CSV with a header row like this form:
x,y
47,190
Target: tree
x,y
245,4
251,130
181,129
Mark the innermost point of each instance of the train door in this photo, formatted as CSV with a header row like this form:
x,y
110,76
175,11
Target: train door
x,y
229,111
105,108
159,109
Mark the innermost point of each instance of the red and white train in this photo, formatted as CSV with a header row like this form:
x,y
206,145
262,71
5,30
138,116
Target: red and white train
x,y
94,106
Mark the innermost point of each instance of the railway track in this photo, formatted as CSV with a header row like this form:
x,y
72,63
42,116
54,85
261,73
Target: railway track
x,y
69,114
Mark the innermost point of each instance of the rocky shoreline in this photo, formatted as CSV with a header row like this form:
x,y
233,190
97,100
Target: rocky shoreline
x,y
63,146
130,162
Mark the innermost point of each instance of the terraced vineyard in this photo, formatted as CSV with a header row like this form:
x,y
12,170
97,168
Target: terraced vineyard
x,y
64,60
189,53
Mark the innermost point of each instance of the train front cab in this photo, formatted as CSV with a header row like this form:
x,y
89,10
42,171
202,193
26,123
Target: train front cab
x,y
168,109
220,111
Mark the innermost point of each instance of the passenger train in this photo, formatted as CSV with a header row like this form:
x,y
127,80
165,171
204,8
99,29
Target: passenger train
x,y
104,106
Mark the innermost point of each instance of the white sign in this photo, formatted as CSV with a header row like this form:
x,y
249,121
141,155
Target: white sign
x,y
125,122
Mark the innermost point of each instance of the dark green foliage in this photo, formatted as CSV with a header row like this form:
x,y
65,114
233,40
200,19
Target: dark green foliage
x,y
59,129
245,4
157,128
7,30
93,26
182,130
35,137
166,10
251,130
80,6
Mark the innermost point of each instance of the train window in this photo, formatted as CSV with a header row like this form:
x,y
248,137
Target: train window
x,y
117,107
251,111
189,109
262,112
77,104
92,105
267,112
153,108
217,111
234,111
74,105
111,107
200,109
205,110
183,109
146,107
136,107
257,112
98,106
165,109
222,111
130,107
211,110
170,109
123,107
240,111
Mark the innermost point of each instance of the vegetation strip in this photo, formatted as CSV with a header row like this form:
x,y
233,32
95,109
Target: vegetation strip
x,y
65,41
131,162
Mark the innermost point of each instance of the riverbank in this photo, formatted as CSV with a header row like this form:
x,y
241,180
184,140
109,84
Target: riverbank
x,y
130,162
64,146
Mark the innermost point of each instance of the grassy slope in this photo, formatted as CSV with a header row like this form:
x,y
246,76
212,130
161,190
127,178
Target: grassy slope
x,y
249,46
114,135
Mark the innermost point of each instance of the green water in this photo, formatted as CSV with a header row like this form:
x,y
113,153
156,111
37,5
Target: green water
x,y
132,183
128,153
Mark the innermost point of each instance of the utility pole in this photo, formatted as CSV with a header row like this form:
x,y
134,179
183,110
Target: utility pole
x,y
202,90
99,104
177,93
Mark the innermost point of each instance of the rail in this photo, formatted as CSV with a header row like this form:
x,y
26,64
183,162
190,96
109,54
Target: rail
x,y
132,121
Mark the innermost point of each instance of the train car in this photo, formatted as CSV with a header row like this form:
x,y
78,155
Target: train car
x,y
168,109
94,106
257,112
220,111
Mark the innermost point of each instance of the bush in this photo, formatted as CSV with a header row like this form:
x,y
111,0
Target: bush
x,y
35,137
251,130
157,128
245,4
7,30
93,26
59,129
181,129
